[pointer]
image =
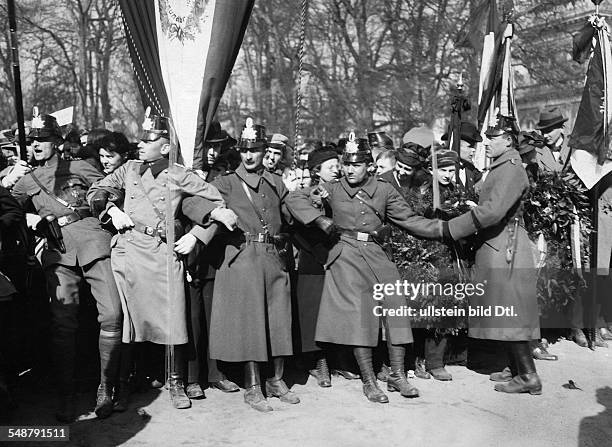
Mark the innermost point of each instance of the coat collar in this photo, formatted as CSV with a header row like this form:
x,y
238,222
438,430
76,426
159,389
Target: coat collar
x,y
156,166
511,155
254,178
369,186
51,162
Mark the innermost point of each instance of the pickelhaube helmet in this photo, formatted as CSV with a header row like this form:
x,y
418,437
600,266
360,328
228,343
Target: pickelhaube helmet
x,y
154,127
357,150
253,136
44,128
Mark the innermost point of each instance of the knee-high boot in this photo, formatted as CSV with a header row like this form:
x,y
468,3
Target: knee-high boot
x,y
363,355
527,380
176,385
252,388
126,368
109,344
64,355
276,386
397,379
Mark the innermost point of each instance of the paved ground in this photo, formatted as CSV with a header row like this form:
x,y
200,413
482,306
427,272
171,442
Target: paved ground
x,y
464,412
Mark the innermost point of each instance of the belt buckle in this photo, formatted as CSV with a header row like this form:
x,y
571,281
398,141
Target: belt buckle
x,y
149,231
63,221
363,237
261,237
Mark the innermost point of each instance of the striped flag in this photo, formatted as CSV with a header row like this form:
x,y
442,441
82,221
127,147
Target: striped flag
x,y
183,52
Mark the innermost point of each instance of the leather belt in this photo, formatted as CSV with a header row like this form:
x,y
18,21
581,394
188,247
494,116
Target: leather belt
x,y
148,230
262,238
71,218
358,235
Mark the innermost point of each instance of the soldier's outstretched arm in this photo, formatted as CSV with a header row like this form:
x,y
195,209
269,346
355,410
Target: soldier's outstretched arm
x,y
401,214
299,203
508,188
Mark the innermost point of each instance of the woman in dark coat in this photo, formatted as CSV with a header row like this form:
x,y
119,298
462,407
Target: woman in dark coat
x,y
504,262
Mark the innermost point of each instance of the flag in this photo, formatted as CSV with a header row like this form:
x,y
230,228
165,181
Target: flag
x,y
183,54
591,129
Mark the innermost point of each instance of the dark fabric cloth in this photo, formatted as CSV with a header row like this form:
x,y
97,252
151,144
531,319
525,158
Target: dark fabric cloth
x,y
199,309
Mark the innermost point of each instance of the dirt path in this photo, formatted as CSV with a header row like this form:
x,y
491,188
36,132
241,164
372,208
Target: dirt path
x,y
464,412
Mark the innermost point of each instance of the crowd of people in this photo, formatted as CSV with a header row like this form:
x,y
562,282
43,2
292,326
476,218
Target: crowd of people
x,y
262,251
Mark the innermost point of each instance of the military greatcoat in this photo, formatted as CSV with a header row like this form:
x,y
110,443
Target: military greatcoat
x,y
346,314
251,308
509,277
153,291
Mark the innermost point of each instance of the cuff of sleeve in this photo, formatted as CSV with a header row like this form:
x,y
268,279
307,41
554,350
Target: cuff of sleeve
x,y
204,235
446,234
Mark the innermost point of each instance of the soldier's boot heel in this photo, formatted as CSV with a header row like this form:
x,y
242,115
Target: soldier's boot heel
x,y
66,412
374,393
122,396
255,398
528,383
278,388
397,382
104,401
178,397
363,355
321,373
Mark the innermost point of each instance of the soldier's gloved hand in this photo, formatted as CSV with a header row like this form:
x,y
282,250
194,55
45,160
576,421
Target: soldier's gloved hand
x,y
225,216
326,224
317,195
186,244
121,221
20,169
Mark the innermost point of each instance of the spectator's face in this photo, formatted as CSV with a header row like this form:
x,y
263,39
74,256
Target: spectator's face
x,y
445,175
110,160
383,165
403,170
303,178
466,151
252,159
330,170
43,150
212,153
495,146
272,158
153,150
355,173
552,135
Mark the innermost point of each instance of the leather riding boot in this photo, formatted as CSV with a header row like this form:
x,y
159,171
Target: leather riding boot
x,y
252,388
345,363
363,355
527,380
121,395
109,344
396,381
276,386
64,354
321,372
434,358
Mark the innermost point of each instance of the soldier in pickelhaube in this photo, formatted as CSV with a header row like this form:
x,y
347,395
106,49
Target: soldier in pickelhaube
x,y
150,280
77,248
251,310
362,206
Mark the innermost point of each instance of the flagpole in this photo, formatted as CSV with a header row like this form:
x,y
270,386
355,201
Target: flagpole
x,y
17,79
